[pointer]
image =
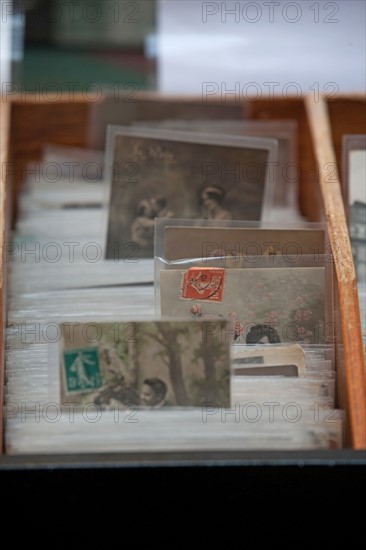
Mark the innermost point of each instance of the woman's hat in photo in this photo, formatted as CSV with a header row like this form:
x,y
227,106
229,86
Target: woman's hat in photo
x,y
213,190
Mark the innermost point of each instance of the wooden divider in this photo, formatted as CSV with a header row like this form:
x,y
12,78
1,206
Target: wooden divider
x,y
353,364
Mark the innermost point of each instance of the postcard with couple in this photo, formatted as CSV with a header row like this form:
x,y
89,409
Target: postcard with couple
x,y
284,131
158,173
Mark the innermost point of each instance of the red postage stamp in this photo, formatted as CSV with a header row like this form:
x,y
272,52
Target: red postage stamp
x,y
203,283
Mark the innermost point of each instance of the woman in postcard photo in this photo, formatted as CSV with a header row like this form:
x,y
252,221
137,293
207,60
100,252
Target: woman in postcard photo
x,y
212,198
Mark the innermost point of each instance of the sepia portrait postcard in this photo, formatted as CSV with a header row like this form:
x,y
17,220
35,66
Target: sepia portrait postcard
x,y
262,305
166,174
284,131
145,365
276,360
184,242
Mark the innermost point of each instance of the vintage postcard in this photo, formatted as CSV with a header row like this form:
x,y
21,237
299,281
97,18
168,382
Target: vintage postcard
x,y
275,360
166,174
184,242
145,364
262,305
284,131
354,192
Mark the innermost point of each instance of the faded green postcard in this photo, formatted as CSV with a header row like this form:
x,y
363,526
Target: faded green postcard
x,y
145,364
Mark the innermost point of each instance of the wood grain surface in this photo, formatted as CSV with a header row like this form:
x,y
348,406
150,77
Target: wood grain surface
x,y
351,357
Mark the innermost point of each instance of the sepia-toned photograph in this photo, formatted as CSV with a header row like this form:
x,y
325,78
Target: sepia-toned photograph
x,y
166,174
284,131
146,365
263,306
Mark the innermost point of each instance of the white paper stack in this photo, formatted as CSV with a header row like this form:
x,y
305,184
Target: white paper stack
x,y
47,286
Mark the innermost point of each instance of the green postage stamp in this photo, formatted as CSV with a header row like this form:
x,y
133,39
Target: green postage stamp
x,y
81,370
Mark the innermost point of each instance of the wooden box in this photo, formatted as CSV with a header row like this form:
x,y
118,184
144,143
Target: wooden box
x,y
27,124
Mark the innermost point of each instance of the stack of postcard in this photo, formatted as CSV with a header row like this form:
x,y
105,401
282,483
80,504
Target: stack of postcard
x,y
170,385
223,342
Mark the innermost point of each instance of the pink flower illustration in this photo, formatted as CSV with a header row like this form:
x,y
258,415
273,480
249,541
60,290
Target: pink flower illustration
x,y
272,317
196,310
239,328
302,315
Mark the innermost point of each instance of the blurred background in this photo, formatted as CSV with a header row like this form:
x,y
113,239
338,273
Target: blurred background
x,y
185,46
79,42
